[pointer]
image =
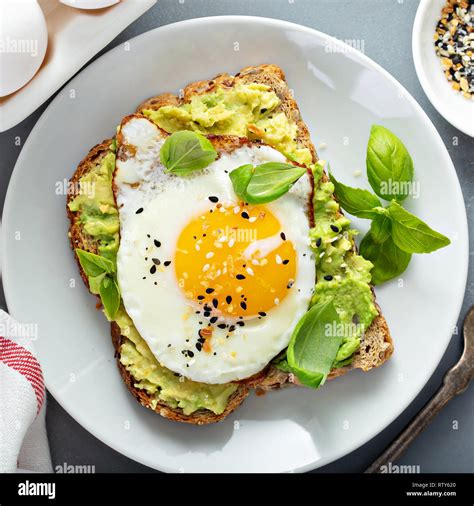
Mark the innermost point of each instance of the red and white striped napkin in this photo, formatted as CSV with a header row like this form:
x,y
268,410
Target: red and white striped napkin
x,y
23,439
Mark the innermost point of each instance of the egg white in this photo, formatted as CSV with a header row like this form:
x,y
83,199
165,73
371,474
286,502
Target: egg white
x,y
164,317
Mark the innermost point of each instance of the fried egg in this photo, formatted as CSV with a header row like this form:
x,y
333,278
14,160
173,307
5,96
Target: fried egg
x,y
213,285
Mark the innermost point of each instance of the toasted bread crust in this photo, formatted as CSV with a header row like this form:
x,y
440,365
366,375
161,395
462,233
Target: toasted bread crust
x,y
377,344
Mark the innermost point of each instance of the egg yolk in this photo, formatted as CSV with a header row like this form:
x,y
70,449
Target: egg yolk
x,y
235,261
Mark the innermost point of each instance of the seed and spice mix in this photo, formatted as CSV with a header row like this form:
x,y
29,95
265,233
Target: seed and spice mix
x,y
454,44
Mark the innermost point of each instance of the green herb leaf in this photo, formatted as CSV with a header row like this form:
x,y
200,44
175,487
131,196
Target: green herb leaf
x,y
264,183
413,235
95,282
388,164
110,296
381,227
94,265
314,344
240,178
355,201
185,151
389,260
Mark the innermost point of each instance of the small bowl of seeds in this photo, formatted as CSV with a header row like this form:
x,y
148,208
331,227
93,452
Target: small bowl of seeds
x,y
443,53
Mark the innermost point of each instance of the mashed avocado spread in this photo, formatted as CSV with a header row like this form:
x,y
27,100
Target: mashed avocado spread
x,y
342,275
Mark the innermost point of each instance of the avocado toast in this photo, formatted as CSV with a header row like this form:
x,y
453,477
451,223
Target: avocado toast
x,y
255,104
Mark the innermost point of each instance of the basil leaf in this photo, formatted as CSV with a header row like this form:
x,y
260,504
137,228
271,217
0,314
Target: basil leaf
x,y
388,164
355,201
268,182
94,265
95,282
313,346
381,228
110,296
240,178
184,152
388,259
413,235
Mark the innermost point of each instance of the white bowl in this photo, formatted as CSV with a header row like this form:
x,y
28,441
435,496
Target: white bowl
x,y
454,108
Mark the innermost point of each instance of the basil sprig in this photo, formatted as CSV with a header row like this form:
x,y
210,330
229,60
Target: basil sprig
x,y
102,280
314,345
264,183
395,234
184,152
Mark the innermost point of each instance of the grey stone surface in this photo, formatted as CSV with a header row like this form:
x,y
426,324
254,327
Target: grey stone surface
x,y
384,27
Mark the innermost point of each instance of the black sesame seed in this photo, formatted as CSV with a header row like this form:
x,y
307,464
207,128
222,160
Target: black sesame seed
x,y
153,269
209,290
214,199
198,346
190,353
138,211
200,297
156,261
207,314
222,325
214,353
243,305
263,110
169,345
213,319
240,276
232,328
283,236
215,303
262,313
148,235
285,262
328,277
318,242
334,228
290,284
228,299
245,215
240,323
157,243
207,307
167,263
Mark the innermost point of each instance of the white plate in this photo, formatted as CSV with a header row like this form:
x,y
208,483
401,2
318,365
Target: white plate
x,y
341,93
454,108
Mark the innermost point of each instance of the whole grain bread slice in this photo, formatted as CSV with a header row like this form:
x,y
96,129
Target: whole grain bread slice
x,y
81,240
377,344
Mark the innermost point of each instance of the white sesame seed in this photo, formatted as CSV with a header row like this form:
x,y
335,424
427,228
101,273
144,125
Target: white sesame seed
x,y
210,254
278,259
276,301
222,238
231,243
357,173
206,268
197,247
323,145
236,209
252,219
255,262
250,271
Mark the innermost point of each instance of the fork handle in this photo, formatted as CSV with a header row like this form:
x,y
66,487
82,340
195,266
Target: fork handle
x,y
414,428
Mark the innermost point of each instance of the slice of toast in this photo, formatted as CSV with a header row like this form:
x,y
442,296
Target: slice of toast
x,y
376,346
